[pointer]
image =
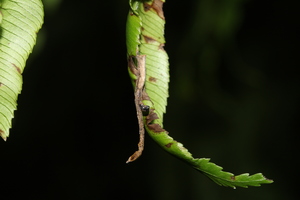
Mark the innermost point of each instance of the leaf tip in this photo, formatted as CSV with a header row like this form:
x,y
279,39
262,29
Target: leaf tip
x,y
3,135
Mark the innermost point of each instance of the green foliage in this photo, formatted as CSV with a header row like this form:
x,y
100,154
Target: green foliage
x,y
215,173
20,22
145,38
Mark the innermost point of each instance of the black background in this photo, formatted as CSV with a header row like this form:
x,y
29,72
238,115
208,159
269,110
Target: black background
x,y
234,97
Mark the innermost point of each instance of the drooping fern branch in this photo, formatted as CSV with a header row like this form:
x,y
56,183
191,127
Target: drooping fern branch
x,y
148,69
20,21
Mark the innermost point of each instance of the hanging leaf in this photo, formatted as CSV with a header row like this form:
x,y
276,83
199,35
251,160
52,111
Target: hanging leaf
x,y
20,22
148,69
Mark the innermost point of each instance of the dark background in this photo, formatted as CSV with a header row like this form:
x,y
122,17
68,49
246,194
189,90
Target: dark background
x,y
234,97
